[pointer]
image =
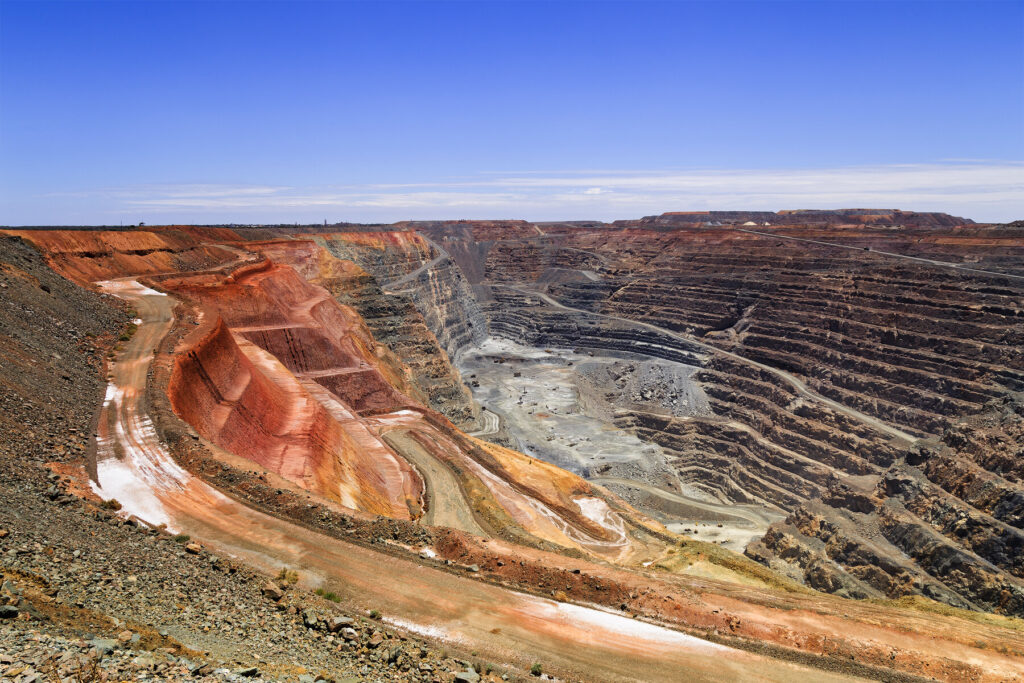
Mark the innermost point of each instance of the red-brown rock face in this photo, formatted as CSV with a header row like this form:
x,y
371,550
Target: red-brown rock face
x,y
87,255
246,387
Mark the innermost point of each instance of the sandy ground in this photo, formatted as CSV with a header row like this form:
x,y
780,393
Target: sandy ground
x,y
498,623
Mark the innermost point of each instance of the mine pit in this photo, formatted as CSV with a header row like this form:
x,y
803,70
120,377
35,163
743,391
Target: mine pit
x,y
855,432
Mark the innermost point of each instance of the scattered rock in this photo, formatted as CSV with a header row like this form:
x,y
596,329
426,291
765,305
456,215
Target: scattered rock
x,y
335,624
272,590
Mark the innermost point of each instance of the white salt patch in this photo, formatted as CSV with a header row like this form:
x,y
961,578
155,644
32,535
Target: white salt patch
x,y
423,630
121,483
145,468
597,511
127,288
620,626
594,509
146,291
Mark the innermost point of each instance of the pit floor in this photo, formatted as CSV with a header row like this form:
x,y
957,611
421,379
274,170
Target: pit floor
x,y
557,405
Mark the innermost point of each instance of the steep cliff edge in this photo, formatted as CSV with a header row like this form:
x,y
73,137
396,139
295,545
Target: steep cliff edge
x,y
428,318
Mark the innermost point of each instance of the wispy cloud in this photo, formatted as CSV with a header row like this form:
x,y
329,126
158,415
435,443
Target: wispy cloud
x,y
984,190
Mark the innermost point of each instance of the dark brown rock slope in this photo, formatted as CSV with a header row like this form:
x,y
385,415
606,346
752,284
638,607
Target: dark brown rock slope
x,y
874,398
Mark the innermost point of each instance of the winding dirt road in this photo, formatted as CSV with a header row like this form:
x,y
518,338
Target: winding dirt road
x,y
500,624
446,503
392,287
491,423
747,513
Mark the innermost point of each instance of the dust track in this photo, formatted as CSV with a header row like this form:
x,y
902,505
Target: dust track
x,y
446,503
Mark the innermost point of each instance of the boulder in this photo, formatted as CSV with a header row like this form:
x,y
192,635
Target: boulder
x,y
273,591
104,646
467,676
335,624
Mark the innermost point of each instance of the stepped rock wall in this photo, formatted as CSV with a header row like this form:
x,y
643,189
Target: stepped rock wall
x,y
873,399
87,255
431,319
279,374
899,346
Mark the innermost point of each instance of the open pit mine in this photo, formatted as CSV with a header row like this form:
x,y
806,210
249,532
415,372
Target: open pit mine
x,y
716,445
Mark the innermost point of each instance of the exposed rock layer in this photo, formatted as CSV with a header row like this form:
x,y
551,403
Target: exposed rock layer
x,y
815,351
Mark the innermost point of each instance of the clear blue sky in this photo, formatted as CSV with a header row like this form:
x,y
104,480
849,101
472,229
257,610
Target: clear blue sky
x,y
207,112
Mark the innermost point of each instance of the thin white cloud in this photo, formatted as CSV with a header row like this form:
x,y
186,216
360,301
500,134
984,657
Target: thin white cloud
x,y
983,190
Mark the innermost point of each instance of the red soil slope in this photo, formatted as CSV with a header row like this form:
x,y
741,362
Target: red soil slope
x,y
245,386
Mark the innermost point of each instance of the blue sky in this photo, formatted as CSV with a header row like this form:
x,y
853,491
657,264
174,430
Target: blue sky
x,y
266,112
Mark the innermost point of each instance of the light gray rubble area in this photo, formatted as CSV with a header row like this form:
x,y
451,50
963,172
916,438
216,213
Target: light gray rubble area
x,y
557,405
547,408
654,386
